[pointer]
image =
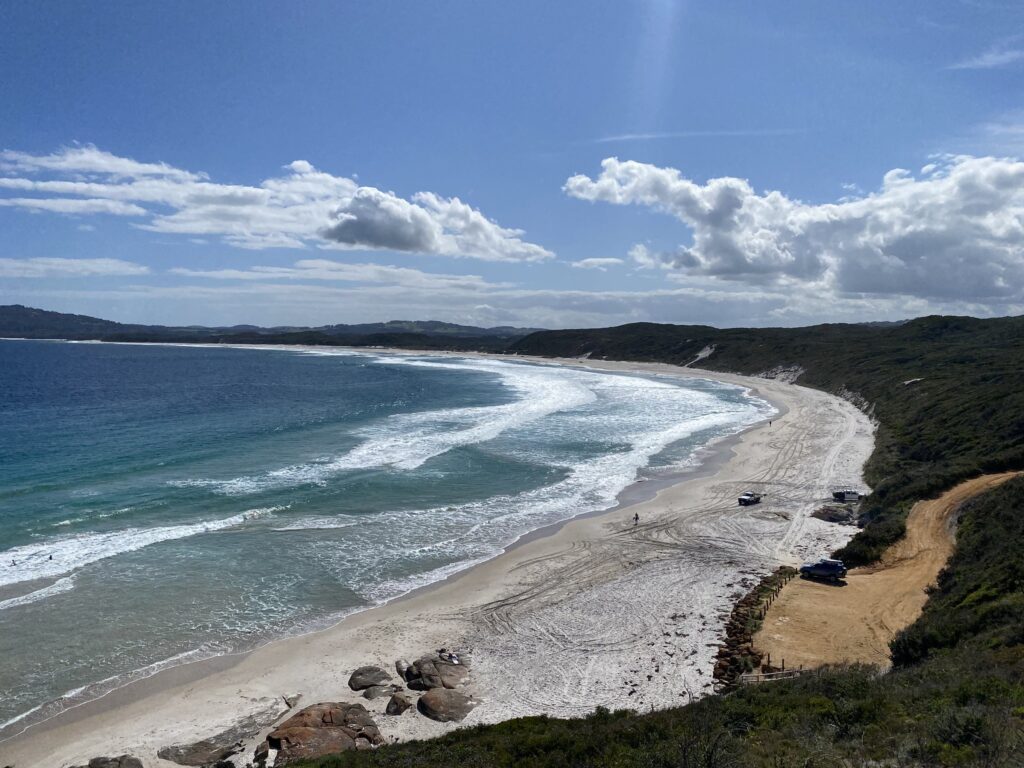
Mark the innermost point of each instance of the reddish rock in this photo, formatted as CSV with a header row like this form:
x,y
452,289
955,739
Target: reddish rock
x,y
303,743
322,729
452,675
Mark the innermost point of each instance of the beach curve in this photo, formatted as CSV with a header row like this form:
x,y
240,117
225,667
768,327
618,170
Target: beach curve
x,y
586,599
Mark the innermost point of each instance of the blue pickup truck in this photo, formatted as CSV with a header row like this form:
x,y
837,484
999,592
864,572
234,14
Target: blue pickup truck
x,y
826,568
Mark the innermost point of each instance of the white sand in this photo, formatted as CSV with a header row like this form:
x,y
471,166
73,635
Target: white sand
x,y
599,612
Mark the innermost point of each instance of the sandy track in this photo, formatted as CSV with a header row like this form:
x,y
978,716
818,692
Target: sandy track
x,y
598,612
813,623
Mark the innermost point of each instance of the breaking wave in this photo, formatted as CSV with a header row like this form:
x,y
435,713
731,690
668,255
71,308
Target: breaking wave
x,y
61,585
56,557
407,441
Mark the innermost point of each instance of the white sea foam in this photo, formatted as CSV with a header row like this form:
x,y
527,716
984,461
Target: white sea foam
x,y
407,441
468,533
56,557
61,585
316,524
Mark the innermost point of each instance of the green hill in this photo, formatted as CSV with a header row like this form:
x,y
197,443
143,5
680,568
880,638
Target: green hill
x,y
17,321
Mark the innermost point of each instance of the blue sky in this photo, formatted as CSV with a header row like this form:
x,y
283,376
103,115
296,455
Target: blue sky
x,y
316,162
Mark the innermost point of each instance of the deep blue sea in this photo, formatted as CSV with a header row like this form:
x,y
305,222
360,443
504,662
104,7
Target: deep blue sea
x,y
165,503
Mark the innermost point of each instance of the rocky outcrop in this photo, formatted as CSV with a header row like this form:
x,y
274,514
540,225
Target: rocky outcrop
x,y
319,730
398,703
401,667
445,705
223,745
124,761
844,514
364,677
422,675
435,672
379,691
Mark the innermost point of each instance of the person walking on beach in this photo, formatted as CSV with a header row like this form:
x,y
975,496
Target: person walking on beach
x,y
636,519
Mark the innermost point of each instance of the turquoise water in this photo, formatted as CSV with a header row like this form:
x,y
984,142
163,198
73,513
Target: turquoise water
x,y
160,503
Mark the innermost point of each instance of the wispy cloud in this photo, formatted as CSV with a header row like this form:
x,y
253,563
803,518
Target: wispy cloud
x,y
328,270
1004,134
598,264
57,267
1002,54
724,132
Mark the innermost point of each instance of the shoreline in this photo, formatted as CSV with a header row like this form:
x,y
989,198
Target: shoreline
x,y
81,728
708,459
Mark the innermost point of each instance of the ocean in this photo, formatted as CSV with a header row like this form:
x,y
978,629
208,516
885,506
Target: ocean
x,y
160,504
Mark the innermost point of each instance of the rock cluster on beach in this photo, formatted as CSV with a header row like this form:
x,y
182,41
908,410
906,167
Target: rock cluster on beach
x,y
124,761
332,727
434,672
219,747
319,730
445,705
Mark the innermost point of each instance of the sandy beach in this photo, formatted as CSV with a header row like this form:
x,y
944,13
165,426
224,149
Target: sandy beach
x,y
594,612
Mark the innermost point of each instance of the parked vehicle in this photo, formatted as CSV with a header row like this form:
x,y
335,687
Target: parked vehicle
x,y
826,568
748,498
845,494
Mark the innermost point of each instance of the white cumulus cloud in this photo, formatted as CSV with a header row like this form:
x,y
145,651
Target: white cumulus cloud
x,y
954,232
303,207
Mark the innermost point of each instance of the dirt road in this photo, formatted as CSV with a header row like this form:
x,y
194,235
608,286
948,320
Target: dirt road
x,y
813,623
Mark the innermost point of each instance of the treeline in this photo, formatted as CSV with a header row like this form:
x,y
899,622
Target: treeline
x,y
17,321
410,341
